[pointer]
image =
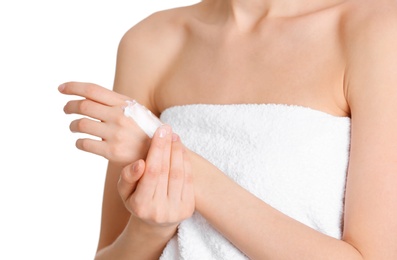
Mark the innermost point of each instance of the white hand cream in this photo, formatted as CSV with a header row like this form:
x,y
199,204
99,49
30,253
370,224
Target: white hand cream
x,y
142,116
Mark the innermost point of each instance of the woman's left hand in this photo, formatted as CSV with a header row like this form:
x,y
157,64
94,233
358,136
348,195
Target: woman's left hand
x,y
159,191
121,140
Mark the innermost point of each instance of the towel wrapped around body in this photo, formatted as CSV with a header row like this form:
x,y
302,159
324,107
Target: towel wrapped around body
x,y
293,158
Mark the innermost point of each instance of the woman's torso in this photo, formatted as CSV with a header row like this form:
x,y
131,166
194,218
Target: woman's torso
x,y
293,158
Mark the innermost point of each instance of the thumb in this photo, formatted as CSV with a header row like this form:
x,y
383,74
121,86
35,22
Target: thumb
x,y
129,177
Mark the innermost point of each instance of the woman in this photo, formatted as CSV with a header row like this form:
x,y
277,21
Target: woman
x,y
262,181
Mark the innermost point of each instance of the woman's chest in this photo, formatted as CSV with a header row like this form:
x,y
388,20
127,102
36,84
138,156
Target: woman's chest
x,y
284,66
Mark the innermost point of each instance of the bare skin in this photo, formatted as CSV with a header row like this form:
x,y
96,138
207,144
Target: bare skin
x,y
334,56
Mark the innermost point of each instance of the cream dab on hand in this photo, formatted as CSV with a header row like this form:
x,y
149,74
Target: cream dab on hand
x,y
143,117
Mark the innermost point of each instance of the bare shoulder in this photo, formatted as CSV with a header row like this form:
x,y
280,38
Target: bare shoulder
x,y
369,37
147,50
368,22
375,10
161,25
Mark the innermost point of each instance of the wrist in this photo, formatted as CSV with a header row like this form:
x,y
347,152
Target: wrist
x,y
203,173
139,240
144,230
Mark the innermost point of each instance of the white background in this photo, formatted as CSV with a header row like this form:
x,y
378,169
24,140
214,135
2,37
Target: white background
x,y
50,192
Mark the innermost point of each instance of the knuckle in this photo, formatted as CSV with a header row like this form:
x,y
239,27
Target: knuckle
x,y
120,153
164,168
157,144
82,124
122,120
84,106
177,147
116,151
140,212
188,179
119,136
138,207
90,89
152,170
159,216
176,174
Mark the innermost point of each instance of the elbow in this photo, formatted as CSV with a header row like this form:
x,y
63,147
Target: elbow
x,y
370,251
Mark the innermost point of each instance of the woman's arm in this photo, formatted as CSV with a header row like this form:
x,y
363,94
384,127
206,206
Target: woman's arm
x,y
371,90
159,195
123,236
144,56
257,229
370,220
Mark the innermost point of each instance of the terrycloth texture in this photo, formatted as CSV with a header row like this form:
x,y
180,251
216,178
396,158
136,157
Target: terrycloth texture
x,y
293,158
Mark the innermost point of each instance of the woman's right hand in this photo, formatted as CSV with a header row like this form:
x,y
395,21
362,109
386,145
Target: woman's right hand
x,y
121,139
159,191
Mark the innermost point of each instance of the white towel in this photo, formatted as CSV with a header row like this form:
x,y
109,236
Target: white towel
x,y
293,158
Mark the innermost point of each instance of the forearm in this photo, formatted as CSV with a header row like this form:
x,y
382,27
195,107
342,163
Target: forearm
x,y
256,228
137,241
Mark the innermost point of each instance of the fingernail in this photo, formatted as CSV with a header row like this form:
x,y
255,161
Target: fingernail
x,y
61,87
162,132
175,137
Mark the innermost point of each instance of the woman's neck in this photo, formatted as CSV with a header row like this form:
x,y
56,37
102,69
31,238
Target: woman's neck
x,y
247,14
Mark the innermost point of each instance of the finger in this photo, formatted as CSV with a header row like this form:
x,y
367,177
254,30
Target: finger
x,y
129,178
177,171
162,185
88,126
93,92
92,109
97,147
188,187
102,148
154,162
